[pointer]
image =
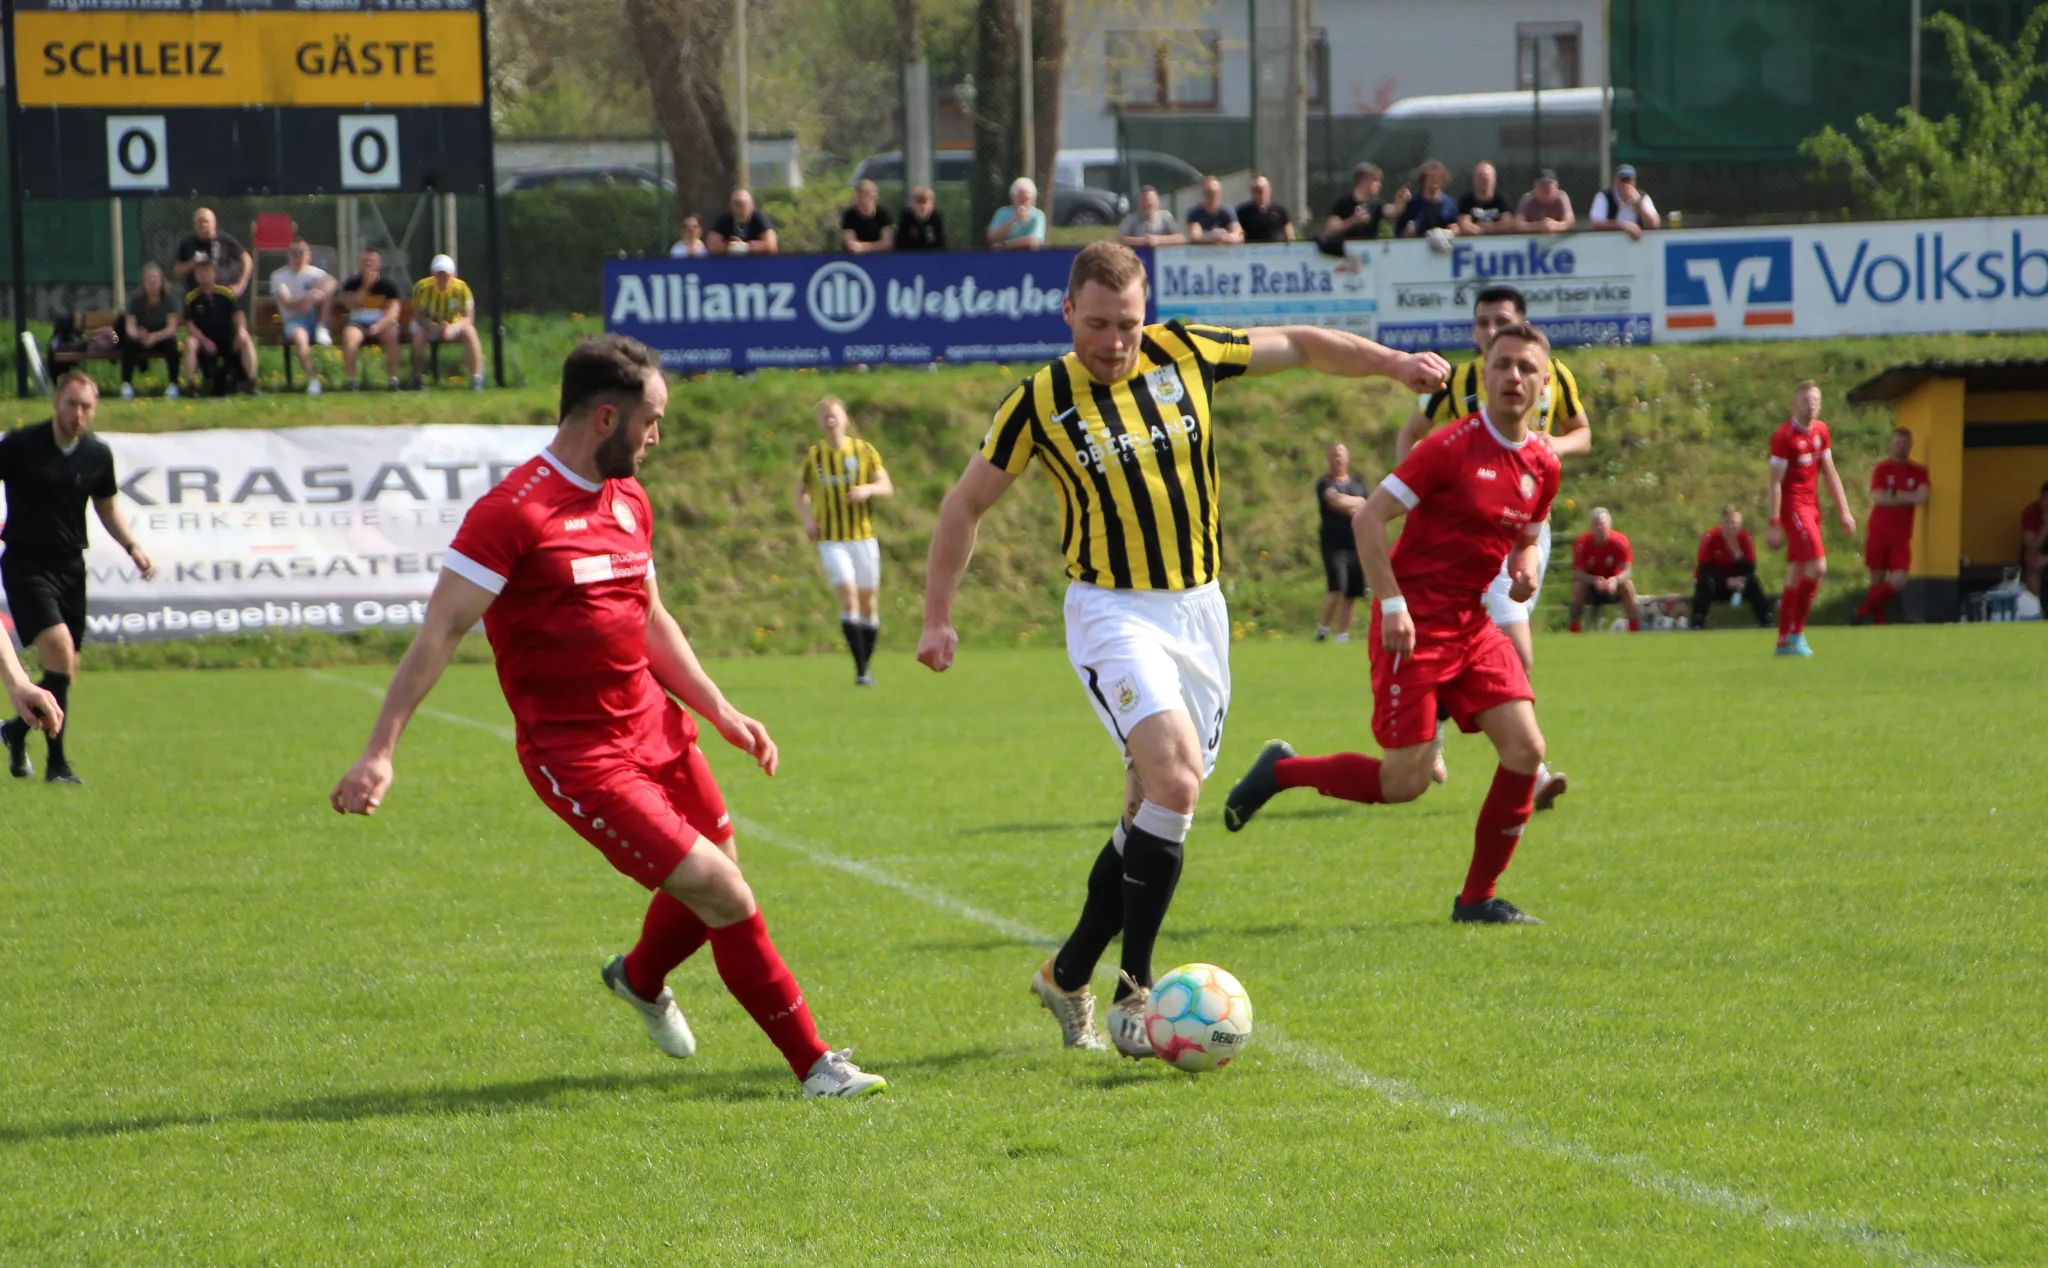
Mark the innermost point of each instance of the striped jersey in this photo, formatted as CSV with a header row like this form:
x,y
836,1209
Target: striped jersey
x,y
1134,461
1466,392
828,474
431,303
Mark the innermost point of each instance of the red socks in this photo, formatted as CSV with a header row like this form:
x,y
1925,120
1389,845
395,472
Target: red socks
x,y
670,934
755,974
1350,776
1873,605
1635,625
1501,818
1793,606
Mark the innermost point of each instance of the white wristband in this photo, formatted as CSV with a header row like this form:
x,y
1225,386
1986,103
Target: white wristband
x,y
1389,607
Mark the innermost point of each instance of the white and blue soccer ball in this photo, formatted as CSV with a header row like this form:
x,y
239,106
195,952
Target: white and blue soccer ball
x,y
1198,1018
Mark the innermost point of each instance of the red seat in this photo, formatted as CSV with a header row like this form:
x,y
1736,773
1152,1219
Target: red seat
x,y
274,231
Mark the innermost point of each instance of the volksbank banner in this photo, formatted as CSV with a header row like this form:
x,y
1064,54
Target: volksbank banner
x,y
320,528
1268,285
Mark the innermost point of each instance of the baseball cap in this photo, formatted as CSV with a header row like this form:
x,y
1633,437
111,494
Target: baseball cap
x,y
1547,174
1626,172
441,264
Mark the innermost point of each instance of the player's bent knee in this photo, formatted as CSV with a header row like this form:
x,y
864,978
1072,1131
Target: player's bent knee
x,y
709,882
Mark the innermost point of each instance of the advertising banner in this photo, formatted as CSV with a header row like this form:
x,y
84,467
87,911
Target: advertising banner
x,y
1581,288
912,308
1268,285
320,528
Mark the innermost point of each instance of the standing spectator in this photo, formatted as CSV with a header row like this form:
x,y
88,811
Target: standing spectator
x,y
1725,571
865,227
231,260
1262,219
742,229
1545,208
1358,214
1603,572
151,331
1624,207
2034,541
1021,225
690,244
1483,208
373,308
922,227
302,292
1431,208
217,331
1150,225
444,311
1339,496
1213,223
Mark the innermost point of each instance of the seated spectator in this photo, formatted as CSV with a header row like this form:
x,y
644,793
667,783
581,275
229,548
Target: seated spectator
x,y
1483,208
231,260
1358,214
1150,225
691,242
741,229
218,349
443,311
303,292
150,330
1430,208
1603,572
1021,225
1213,223
2034,541
865,227
922,226
1624,208
373,309
1261,219
1545,208
1725,571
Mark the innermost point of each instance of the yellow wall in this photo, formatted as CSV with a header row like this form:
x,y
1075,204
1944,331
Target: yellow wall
x,y
2000,482
1933,412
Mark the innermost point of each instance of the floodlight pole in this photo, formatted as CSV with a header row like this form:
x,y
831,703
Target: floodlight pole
x,y
16,243
492,260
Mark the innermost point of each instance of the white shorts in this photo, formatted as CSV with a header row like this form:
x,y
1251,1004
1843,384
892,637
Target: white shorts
x,y
1141,652
1506,611
857,564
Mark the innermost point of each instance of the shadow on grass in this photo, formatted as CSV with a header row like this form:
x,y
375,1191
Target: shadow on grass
x,y
993,829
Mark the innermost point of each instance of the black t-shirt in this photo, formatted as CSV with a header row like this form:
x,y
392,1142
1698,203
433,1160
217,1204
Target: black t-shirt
x,y
928,234
1208,221
213,314
152,317
1336,531
756,227
864,228
1487,211
47,490
384,290
225,252
1263,224
1350,203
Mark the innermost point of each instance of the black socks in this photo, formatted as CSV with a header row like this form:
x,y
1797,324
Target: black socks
x,y
59,685
1151,871
1102,918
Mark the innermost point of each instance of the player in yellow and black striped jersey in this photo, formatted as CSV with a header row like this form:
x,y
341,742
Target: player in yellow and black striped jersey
x,y
444,311
842,476
1124,427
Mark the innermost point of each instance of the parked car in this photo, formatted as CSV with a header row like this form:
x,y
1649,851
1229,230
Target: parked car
x,y
1129,171
607,176
1071,204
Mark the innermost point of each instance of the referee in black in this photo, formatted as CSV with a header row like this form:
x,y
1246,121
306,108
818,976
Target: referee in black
x,y
1339,495
50,470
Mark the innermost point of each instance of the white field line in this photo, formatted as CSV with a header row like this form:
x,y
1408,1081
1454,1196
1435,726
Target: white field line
x,y
1638,1171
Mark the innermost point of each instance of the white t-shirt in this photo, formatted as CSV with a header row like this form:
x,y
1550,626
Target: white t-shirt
x,y
1605,203
685,250
291,286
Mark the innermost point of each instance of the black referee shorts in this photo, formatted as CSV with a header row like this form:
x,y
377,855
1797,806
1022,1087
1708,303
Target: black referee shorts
x,y
41,594
1341,573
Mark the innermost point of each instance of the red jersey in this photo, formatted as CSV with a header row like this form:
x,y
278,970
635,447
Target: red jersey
x,y
1800,452
2030,519
1469,494
1890,476
1602,559
569,562
1715,549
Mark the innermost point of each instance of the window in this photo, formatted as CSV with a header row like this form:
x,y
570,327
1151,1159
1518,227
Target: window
x,y
1150,70
1551,48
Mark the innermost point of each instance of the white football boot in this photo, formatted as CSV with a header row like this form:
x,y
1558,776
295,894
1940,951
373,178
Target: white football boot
x,y
1074,1011
665,1023
1126,1022
834,1075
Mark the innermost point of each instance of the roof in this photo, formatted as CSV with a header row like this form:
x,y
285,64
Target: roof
x,y
1977,376
1558,102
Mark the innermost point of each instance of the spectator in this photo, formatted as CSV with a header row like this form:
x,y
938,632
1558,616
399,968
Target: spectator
x,y
444,311
865,227
1339,496
741,229
1358,214
922,227
2034,541
1725,571
1021,225
303,292
1150,225
1545,208
217,332
151,330
1483,208
1431,208
1603,571
691,244
1624,207
1213,223
373,308
1262,219
231,260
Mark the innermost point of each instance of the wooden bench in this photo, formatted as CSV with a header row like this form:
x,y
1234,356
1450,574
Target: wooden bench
x,y
94,322
267,329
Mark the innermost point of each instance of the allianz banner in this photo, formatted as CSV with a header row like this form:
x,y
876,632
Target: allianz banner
x,y
1273,284
314,528
907,308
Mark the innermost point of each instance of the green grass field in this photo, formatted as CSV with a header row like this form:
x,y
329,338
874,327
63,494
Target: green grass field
x,y
1788,1007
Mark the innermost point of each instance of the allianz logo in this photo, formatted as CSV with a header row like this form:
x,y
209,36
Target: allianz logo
x,y
839,297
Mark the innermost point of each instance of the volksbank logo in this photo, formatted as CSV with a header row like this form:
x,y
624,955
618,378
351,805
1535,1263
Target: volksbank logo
x,y
1728,285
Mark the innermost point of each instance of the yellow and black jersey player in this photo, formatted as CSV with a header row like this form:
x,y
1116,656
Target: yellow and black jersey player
x,y
1123,426
842,477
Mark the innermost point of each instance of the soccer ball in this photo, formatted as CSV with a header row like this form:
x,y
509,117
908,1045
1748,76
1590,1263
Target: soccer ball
x,y
1198,1018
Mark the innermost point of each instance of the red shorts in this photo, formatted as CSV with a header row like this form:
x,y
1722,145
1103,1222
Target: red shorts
x,y
1470,671
1888,552
644,818
1802,534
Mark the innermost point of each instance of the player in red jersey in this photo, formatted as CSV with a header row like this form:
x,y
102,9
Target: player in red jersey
x,y
1474,493
557,563
1603,571
1800,454
1897,486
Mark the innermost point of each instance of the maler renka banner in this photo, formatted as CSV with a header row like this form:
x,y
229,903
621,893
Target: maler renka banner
x,y
315,528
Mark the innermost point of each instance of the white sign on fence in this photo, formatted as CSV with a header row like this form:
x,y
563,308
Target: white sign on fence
x,y
1580,287
1273,284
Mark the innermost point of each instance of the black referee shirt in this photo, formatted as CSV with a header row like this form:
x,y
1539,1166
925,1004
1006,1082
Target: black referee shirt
x,y
47,490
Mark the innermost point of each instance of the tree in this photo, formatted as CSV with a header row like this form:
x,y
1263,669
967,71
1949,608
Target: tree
x,y
1048,59
682,45
995,109
1987,158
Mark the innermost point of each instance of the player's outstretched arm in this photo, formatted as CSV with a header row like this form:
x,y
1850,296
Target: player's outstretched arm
x,y
1369,532
1276,348
1837,492
952,546
676,667
455,607
31,703
1572,436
